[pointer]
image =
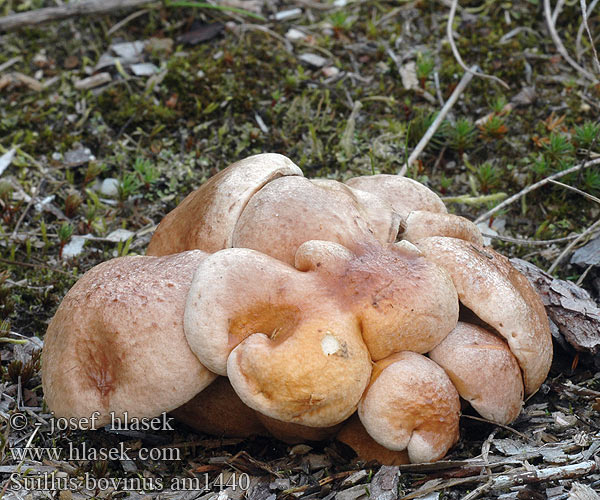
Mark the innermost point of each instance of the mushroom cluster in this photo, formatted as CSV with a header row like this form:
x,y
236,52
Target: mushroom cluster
x,y
304,308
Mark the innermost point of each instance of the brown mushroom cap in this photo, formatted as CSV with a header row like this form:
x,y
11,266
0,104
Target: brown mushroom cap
x,y
483,370
289,350
502,297
421,224
206,217
218,411
354,435
403,194
293,210
403,301
117,343
411,404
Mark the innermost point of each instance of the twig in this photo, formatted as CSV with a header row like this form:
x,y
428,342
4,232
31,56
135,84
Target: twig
x,y
582,26
464,81
31,201
65,11
506,427
587,28
533,187
127,20
576,190
457,56
560,47
9,63
504,481
570,246
35,266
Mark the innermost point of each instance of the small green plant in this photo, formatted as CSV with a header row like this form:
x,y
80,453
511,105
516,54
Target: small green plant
x,y
587,134
488,176
558,149
129,185
341,21
147,172
540,167
24,370
445,183
498,104
461,135
425,65
591,181
72,203
93,170
64,235
494,128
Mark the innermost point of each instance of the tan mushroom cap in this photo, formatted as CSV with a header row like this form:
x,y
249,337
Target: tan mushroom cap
x,y
294,433
354,435
483,370
117,343
502,297
218,411
206,217
403,194
293,210
411,405
421,224
289,350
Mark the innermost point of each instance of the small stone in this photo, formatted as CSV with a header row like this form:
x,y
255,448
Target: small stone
x,y
110,187
120,235
287,14
144,69
330,71
128,50
74,247
295,35
313,59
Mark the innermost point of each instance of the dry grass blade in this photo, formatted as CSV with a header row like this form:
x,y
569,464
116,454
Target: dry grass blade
x,y
576,190
571,245
456,53
587,28
561,48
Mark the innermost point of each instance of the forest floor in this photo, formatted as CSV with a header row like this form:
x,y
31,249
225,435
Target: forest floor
x,y
107,122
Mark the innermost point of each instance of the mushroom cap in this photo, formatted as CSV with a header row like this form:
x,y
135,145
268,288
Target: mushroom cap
x,y
206,217
411,404
403,194
403,301
218,411
483,370
502,297
293,210
354,435
290,351
116,342
294,433
421,224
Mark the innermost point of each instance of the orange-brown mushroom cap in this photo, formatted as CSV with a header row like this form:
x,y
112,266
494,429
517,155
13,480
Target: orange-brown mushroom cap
x,y
421,224
219,411
411,404
293,210
403,194
502,297
117,343
289,350
206,217
483,370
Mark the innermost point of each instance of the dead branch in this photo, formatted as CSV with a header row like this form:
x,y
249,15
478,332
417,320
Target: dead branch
x,y
85,7
464,81
533,187
560,47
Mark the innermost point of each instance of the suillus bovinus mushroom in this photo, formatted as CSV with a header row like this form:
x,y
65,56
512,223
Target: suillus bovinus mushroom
x,y
305,309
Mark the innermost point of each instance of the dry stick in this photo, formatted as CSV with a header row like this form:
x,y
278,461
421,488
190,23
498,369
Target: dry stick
x,y
587,28
528,189
65,11
464,81
582,26
559,45
576,190
508,480
570,246
450,34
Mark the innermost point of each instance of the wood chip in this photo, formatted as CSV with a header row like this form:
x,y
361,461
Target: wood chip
x,y
93,81
384,485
